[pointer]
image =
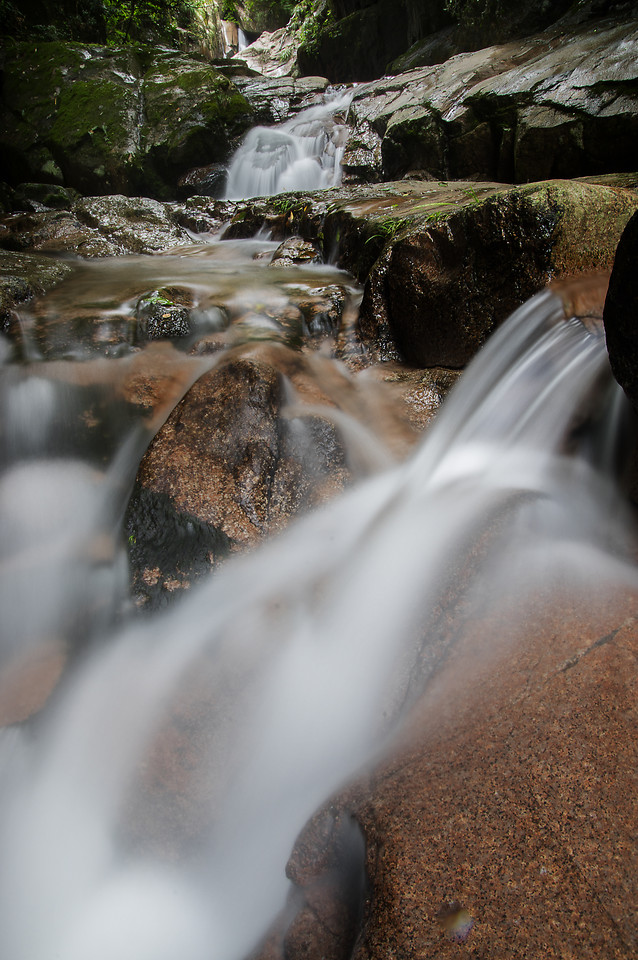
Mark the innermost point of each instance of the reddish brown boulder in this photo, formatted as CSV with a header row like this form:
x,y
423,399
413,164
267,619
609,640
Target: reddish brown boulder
x,y
506,825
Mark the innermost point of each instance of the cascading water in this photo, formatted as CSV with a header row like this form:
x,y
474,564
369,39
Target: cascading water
x,y
304,153
302,657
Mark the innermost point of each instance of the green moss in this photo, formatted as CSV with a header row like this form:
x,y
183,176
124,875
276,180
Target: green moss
x,y
96,110
310,19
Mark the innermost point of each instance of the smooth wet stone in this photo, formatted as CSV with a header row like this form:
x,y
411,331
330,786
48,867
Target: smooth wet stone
x,y
254,443
276,98
228,457
294,251
23,276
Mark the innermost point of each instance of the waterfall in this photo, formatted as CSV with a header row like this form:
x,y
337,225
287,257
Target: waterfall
x,y
304,153
303,658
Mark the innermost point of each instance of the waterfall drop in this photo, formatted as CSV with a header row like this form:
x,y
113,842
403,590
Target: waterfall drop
x,y
304,153
299,662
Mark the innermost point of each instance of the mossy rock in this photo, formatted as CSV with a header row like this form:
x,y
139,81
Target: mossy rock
x,y
443,284
93,136
193,113
119,120
23,276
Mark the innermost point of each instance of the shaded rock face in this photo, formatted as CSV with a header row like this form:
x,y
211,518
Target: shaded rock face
x,y
359,39
109,121
435,293
560,104
361,44
621,312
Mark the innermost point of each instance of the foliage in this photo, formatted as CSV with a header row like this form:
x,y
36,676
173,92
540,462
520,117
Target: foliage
x,y
156,20
52,19
121,21
309,19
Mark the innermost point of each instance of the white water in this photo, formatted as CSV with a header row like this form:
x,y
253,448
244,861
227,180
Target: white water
x,y
304,153
305,647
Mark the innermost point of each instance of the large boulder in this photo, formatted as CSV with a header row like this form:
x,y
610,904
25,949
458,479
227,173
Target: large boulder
x,y
228,467
441,288
108,120
559,104
505,825
443,264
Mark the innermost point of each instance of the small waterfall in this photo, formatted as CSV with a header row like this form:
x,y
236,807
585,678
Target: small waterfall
x,y
301,658
304,153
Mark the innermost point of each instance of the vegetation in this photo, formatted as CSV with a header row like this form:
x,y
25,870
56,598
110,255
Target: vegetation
x,y
121,21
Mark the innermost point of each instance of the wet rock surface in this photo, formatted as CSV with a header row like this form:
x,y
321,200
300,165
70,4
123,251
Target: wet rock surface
x,y
254,443
228,467
426,252
24,276
560,104
274,99
104,226
505,825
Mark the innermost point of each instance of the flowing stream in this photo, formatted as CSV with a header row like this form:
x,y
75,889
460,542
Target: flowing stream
x,y
303,153
298,661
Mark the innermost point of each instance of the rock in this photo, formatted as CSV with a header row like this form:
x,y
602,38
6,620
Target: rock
x,y
254,442
97,227
208,181
132,224
443,264
273,54
105,120
558,104
23,276
353,40
504,825
160,318
437,288
229,461
621,311
192,115
293,251
43,196
169,550
356,41
275,99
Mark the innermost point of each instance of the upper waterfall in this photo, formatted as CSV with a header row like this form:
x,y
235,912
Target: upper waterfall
x,y
304,153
